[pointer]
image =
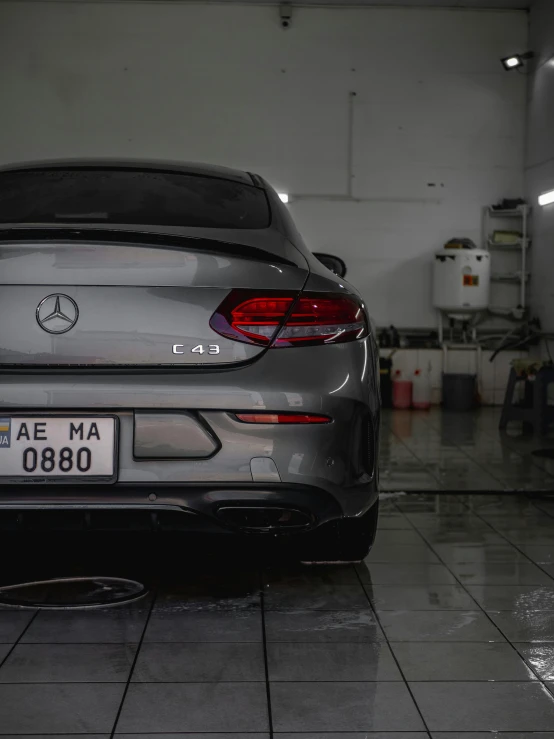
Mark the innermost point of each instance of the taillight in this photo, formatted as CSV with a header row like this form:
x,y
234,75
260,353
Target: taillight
x,y
285,319
323,319
282,418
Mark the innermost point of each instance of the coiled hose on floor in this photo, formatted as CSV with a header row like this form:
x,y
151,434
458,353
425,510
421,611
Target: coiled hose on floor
x,y
70,593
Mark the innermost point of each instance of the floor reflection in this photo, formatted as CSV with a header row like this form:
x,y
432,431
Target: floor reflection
x,y
438,450
447,627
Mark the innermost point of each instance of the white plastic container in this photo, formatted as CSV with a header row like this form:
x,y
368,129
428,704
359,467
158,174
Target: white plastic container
x,y
421,393
461,280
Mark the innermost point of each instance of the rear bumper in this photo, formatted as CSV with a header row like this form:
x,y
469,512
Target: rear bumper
x,y
151,506
328,470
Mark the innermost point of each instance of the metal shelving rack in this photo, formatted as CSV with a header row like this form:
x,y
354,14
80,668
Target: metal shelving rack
x,y
520,276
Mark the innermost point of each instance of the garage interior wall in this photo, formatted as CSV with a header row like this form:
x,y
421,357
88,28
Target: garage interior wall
x,y
435,130
540,158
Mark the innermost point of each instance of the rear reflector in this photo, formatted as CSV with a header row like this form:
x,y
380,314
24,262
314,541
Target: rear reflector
x,y
281,418
286,319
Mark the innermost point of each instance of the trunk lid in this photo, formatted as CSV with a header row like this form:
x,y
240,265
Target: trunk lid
x,y
107,300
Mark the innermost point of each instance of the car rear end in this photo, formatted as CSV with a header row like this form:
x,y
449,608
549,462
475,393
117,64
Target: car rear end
x,y
171,355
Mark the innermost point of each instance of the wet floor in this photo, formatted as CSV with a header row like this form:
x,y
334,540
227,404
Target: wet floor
x,y
446,631
437,450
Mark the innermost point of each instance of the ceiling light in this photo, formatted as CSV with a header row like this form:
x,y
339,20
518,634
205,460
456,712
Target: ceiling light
x,y
546,198
283,196
516,60
512,61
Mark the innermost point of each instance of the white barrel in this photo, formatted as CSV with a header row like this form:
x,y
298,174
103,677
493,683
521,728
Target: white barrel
x,y
461,280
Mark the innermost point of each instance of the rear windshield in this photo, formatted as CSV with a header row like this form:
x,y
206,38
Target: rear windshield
x,y
130,197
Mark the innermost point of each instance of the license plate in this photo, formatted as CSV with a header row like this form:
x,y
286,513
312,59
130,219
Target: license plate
x,y
57,446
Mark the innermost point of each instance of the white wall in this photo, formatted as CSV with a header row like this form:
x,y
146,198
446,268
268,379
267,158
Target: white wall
x,y
226,84
540,158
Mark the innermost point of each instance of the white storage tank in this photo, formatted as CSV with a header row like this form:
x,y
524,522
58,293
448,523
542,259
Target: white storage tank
x,y
461,280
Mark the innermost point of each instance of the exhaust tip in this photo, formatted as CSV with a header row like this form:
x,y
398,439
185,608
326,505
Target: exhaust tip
x,y
263,519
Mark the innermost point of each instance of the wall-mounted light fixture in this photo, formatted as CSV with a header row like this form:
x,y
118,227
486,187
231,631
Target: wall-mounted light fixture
x,y
283,196
546,198
516,60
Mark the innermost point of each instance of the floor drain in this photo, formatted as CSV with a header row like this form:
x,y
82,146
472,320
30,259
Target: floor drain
x,y
72,592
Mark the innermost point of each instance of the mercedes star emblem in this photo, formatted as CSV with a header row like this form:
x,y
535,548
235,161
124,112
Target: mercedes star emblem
x,y
57,313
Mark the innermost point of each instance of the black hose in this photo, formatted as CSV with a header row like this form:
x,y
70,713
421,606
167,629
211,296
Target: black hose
x,y
137,591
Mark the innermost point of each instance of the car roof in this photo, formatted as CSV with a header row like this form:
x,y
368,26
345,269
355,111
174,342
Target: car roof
x,y
206,170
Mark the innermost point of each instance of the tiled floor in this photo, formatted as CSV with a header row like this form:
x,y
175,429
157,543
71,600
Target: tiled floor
x,y
437,450
447,631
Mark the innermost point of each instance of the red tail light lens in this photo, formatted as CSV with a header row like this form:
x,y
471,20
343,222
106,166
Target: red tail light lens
x,y
281,418
251,317
284,319
323,319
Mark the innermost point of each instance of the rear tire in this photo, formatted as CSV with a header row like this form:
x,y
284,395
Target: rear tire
x,y
344,541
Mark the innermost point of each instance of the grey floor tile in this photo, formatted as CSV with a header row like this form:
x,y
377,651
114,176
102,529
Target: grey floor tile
x,y
199,663
409,574
513,597
542,555
204,599
535,484
549,569
59,709
485,706
469,661
194,707
468,552
234,735
398,553
400,480
421,598
201,626
12,624
525,626
359,735
307,576
237,577
328,707
535,537
493,735
500,573
473,537
109,626
56,736
322,626
68,663
453,525
540,656
457,482
439,626
516,519
403,538
320,596
394,521
433,503
437,519
4,651
331,662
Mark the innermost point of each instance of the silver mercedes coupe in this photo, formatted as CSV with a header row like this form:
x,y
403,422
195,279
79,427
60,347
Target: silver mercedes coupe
x,y
172,356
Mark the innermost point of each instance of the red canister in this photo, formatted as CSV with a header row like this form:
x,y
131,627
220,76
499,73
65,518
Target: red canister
x,y
401,392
